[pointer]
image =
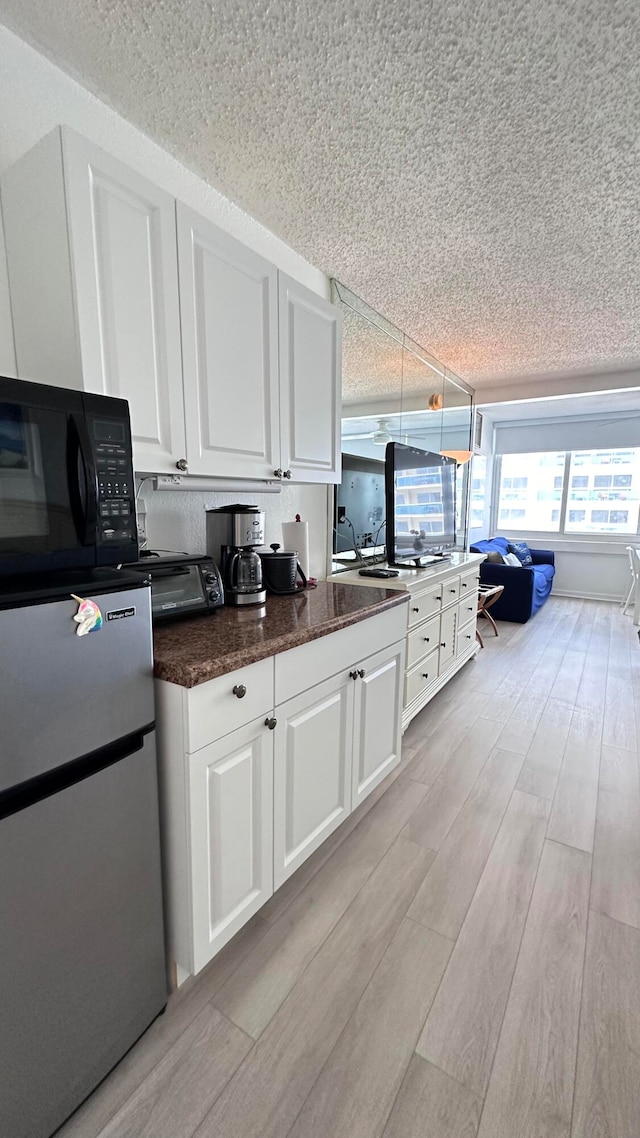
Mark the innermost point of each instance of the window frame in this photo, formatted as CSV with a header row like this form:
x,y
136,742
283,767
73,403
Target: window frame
x,y
561,534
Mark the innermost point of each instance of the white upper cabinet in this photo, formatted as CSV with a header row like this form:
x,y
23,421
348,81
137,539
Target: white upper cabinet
x,y
229,315
310,384
91,248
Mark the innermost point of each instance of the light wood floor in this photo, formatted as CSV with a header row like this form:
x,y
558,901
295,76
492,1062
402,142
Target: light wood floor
x,y
462,958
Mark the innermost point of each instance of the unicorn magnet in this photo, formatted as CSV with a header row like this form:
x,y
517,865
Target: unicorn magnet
x,y
88,616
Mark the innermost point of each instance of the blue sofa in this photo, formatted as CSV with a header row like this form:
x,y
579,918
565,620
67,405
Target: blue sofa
x,y
525,589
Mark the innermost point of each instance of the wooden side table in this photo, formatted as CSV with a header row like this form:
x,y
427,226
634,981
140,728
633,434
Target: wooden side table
x,y
487,596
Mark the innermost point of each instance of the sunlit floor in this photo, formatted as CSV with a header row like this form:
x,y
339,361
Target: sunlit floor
x,y
462,958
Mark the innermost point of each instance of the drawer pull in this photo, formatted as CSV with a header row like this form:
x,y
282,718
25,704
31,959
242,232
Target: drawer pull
x,y
426,639
240,691
361,673
468,636
463,584
270,722
415,610
353,675
425,675
452,590
443,644
439,598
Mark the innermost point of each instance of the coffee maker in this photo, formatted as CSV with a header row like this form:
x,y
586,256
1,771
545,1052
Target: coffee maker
x,y
233,535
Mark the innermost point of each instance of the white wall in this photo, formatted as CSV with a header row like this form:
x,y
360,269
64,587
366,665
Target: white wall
x,y
36,97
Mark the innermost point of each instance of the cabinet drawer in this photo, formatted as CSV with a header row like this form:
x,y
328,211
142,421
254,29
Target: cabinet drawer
x,y
467,609
423,640
214,709
300,668
421,677
469,581
465,638
450,591
422,605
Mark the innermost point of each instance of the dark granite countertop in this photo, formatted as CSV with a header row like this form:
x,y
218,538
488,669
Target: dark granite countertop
x,y
188,652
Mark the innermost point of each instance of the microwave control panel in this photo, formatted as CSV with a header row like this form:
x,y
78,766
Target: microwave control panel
x,y
116,490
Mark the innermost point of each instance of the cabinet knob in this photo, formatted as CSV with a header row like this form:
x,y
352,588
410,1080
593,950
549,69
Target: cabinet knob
x,y
361,673
240,691
353,675
452,590
415,610
438,598
425,675
287,474
278,473
443,644
468,636
182,464
463,584
426,639
270,722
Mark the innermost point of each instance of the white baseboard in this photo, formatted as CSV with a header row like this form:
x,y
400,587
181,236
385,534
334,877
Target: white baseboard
x,y
615,598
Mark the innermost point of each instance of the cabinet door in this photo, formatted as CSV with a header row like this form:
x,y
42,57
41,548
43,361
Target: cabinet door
x,y
312,771
310,384
377,720
448,630
229,315
231,847
123,254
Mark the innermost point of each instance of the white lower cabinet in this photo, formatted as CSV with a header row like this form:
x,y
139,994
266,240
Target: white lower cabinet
x,y
377,727
240,813
312,784
231,829
448,629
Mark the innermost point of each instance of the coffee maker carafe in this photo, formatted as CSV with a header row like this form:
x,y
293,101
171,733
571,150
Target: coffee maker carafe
x,y
235,532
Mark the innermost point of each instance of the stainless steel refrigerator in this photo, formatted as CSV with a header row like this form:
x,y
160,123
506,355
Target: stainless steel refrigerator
x,y
82,966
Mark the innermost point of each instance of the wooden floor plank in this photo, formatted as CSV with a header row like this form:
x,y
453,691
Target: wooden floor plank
x,y
362,1076
176,1096
184,1005
430,1104
619,727
530,1092
615,888
607,1095
447,891
257,988
432,819
265,1096
440,743
573,813
462,1028
543,760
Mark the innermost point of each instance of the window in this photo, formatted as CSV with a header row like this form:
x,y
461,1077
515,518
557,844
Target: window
x,y
598,501
478,491
530,489
603,488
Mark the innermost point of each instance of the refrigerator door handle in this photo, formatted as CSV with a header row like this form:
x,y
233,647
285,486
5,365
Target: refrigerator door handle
x,y
85,497
26,794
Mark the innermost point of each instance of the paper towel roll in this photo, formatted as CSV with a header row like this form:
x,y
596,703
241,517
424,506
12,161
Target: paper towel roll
x,y
295,535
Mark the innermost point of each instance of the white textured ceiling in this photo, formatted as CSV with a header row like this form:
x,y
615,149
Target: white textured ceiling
x,y
471,169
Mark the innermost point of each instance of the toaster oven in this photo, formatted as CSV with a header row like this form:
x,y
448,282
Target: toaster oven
x,y
182,585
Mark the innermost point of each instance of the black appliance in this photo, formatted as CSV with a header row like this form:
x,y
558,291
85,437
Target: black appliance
x,y
420,491
359,506
280,571
67,494
233,536
182,585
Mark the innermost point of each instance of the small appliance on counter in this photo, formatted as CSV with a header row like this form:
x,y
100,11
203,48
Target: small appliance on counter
x,y
233,535
280,570
182,585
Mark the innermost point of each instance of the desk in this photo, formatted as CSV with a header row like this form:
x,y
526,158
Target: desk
x,y
487,596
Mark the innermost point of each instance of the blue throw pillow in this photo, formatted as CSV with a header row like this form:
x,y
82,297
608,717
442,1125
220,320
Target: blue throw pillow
x,y
522,552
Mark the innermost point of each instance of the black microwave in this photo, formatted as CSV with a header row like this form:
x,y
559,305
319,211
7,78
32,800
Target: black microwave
x,y
67,493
